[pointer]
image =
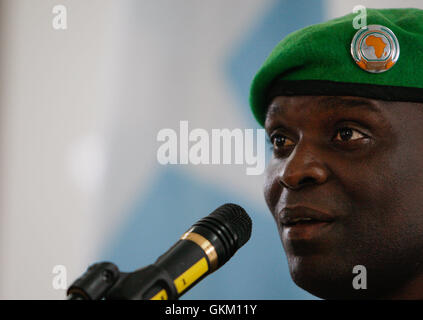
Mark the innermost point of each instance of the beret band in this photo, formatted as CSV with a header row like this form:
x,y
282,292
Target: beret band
x,y
282,87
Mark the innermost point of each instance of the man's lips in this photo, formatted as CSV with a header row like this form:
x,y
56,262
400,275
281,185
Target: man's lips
x,y
292,215
304,223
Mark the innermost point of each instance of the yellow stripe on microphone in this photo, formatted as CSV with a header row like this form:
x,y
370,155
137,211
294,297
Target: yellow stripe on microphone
x,y
205,244
186,279
161,295
191,275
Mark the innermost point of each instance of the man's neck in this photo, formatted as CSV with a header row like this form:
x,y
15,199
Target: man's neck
x,y
412,290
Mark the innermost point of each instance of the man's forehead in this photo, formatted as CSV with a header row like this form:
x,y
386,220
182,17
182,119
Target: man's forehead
x,y
283,104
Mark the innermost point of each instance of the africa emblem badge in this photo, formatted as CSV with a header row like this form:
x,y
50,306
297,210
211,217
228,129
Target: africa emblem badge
x,y
375,48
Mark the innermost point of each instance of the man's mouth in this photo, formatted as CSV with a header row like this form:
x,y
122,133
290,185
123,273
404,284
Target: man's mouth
x,y
301,222
291,215
297,221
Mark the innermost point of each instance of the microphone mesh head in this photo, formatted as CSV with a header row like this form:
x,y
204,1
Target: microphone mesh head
x,y
236,220
228,228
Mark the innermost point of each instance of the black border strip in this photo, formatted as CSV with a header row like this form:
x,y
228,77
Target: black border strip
x,y
333,88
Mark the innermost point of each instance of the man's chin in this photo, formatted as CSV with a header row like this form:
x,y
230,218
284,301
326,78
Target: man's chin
x,y
323,279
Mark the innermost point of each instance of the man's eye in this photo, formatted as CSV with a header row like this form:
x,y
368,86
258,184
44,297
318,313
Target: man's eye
x,y
280,141
348,134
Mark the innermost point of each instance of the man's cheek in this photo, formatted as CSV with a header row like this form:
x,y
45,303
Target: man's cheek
x,y
370,187
272,188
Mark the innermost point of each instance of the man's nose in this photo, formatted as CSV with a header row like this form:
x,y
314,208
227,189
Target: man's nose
x,y
304,167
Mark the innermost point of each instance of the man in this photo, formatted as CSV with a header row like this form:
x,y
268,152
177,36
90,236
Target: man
x,y
343,109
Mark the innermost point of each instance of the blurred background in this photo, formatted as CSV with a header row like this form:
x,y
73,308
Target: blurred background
x,y
80,110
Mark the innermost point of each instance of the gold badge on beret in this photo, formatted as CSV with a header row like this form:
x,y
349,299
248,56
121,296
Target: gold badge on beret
x,y
375,48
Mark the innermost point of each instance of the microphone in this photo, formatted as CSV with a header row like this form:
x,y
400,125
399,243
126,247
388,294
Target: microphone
x,y
201,250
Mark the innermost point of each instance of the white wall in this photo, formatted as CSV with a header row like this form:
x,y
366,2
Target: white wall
x,y
54,93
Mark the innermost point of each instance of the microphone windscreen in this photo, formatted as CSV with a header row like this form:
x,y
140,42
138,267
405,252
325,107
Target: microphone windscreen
x,y
232,225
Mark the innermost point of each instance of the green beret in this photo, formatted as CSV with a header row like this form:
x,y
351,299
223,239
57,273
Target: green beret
x,y
334,58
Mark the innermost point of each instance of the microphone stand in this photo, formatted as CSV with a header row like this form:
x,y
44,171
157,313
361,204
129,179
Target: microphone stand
x,y
104,281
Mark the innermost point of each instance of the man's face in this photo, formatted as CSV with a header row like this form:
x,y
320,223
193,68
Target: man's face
x,y
354,166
